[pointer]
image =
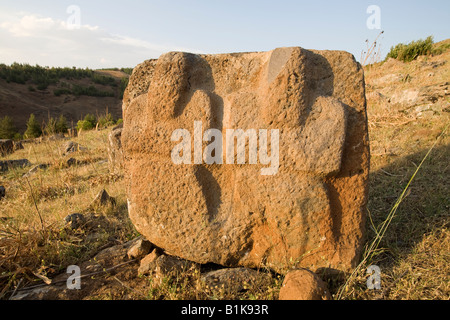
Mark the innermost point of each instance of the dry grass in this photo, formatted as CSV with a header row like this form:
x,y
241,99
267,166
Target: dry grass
x,y
34,239
414,252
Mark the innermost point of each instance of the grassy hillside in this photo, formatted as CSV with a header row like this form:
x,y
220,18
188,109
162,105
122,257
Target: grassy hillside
x,y
52,92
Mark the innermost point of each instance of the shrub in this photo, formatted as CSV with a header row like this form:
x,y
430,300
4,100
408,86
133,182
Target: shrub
x,y
410,52
104,80
50,127
90,91
8,129
60,91
440,49
33,128
106,120
88,123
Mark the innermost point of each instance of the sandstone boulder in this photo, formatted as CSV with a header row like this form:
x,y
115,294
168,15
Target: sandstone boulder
x,y
191,194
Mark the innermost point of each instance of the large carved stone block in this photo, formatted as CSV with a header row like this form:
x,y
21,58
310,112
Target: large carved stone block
x,y
288,189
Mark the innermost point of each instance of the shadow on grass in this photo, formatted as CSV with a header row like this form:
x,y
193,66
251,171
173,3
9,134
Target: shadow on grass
x,y
412,251
426,206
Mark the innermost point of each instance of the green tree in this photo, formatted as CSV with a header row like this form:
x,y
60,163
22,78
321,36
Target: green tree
x,y
33,128
7,128
61,124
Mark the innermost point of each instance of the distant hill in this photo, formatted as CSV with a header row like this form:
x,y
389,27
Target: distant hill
x,y
50,92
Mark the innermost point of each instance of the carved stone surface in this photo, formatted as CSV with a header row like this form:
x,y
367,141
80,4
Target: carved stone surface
x,y
308,213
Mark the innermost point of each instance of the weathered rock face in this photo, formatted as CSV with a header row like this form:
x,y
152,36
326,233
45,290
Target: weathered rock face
x,y
307,210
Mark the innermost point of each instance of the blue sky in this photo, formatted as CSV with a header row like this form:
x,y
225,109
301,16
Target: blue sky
x,y
124,33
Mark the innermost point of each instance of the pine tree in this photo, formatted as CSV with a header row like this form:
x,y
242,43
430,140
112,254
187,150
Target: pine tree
x,y
7,128
61,124
33,128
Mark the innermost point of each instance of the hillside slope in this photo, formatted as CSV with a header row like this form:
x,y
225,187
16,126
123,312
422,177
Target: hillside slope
x,y
18,101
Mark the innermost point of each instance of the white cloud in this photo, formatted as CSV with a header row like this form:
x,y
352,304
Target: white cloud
x,y
30,38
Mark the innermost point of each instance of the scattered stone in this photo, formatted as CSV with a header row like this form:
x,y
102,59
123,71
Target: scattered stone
x,y
6,147
115,153
235,280
71,147
311,209
2,192
13,164
18,145
103,199
148,264
56,137
71,162
76,220
140,249
303,284
35,169
112,255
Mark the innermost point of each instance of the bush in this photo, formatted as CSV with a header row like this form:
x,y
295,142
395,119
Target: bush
x,y
90,91
106,120
50,127
410,52
8,129
88,123
61,91
441,48
33,128
104,80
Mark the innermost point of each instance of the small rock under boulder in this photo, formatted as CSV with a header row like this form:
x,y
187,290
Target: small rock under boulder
x,y
303,284
148,264
140,249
